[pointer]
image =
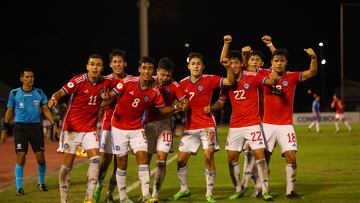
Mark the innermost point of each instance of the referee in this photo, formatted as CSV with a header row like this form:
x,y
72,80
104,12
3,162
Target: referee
x,y
26,104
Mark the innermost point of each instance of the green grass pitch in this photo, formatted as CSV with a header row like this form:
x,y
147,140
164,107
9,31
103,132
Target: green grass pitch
x,y
328,171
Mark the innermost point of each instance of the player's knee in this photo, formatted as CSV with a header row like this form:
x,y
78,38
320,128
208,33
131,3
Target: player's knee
x,y
290,157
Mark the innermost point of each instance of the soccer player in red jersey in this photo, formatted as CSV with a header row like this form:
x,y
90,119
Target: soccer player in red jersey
x,y
278,112
338,104
245,120
117,65
79,125
158,126
200,126
135,96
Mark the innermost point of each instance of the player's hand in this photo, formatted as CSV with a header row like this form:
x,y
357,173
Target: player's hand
x,y
227,39
266,39
207,109
176,106
105,95
274,75
3,137
246,49
310,52
52,102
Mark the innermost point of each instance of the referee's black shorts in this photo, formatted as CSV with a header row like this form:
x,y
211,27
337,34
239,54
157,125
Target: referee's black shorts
x,y
28,132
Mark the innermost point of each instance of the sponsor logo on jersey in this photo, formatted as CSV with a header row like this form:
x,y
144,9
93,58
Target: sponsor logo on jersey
x,y
200,88
246,85
117,148
37,103
70,85
285,83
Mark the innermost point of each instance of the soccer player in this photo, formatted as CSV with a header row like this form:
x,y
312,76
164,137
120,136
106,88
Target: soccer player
x,y
26,104
117,65
278,106
200,126
158,129
253,62
86,92
135,96
245,121
338,104
316,114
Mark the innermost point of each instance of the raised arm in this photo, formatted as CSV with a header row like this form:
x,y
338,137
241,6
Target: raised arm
x,y
230,76
268,42
56,97
225,49
244,53
313,65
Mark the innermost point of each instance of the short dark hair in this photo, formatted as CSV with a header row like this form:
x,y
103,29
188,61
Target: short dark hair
x,y
281,52
147,59
235,54
166,63
23,70
255,53
117,52
195,55
96,56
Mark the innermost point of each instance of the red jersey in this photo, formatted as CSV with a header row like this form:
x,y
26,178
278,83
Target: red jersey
x,y
109,110
264,72
244,98
170,92
132,102
84,103
199,95
338,105
279,101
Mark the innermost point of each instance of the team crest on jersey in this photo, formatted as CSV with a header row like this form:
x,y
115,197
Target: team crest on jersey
x,y
285,83
146,98
21,105
200,88
18,146
70,84
119,85
246,85
117,148
66,146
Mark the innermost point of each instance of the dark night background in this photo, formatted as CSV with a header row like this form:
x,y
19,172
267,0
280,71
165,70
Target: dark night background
x,y
55,38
